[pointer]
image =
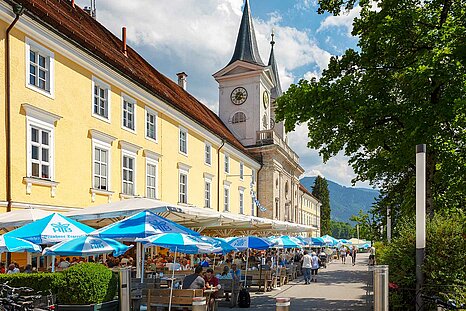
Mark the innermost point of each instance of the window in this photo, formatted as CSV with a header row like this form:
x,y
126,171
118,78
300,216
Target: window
x,y
151,124
208,154
101,99
183,189
241,202
40,154
128,175
39,68
183,141
207,186
238,117
227,163
128,113
226,199
100,168
151,180
241,171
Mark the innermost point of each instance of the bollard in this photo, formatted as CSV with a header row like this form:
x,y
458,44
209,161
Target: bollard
x,y
199,304
282,304
125,289
380,288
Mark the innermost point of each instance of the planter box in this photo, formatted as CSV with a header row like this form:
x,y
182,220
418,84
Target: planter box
x,y
106,306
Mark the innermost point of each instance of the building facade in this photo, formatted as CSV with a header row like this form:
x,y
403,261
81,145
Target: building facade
x,y
89,121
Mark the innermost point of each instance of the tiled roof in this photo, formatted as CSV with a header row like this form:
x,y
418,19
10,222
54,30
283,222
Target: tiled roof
x,y
304,189
76,26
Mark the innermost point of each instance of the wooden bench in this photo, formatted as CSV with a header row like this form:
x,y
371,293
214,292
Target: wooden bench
x,y
262,279
181,298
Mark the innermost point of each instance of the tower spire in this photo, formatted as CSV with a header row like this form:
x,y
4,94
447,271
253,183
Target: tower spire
x,y
246,44
276,91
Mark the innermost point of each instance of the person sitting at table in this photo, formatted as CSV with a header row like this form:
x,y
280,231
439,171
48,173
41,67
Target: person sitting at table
x,y
195,280
185,265
226,275
211,282
235,273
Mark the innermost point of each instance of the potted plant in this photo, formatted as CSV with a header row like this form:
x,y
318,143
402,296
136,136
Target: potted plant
x,y
88,286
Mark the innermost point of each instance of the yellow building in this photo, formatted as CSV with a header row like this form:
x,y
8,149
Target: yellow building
x,y
87,121
91,122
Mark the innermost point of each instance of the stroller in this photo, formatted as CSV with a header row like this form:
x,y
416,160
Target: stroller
x,y
323,260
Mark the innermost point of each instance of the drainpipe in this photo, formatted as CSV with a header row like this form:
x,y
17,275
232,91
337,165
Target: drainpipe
x,y
18,10
218,175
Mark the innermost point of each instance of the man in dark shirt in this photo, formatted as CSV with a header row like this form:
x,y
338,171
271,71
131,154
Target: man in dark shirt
x,y
195,280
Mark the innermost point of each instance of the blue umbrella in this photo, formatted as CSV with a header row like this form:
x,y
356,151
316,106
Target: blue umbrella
x,y
247,242
220,245
178,242
318,241
14,245
50,230
86,246
286,242
331,241
141,225
344,241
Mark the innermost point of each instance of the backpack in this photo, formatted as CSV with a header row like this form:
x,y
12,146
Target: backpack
x,y
244,299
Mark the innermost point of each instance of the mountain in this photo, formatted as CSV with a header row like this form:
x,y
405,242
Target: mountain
x,y
345,201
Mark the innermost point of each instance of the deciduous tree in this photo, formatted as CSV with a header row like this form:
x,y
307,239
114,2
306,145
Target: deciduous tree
x,y
320,191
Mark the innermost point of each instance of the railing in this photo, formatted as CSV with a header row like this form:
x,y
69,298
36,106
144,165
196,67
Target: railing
x,y
269,137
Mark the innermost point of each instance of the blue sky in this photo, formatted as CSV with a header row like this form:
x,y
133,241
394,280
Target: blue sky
x,y
198,37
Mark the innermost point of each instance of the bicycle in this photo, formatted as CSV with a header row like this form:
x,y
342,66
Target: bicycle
x,y
441,304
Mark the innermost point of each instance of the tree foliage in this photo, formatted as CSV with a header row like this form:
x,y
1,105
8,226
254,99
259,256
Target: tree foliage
x,y
405,85
320,191
341,230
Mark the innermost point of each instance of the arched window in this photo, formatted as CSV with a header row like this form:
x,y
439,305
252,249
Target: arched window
x,y
238,117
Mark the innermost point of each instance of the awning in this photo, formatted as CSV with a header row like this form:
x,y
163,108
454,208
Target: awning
x,y
205,220
18,218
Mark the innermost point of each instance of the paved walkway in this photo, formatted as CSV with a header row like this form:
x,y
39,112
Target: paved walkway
x,y
339,287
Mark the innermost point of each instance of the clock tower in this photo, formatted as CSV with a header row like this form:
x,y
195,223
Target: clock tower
x,y
245,86
247,92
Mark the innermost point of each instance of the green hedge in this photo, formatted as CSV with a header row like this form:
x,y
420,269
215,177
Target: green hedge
x,y
87,283
444,264
38,281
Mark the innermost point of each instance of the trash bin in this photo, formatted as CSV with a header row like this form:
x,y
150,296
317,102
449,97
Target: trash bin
x,y
282,304
199,304
380,288
125,289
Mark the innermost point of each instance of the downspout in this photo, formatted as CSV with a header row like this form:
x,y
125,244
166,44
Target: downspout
x,y
257,187
218,175
18,10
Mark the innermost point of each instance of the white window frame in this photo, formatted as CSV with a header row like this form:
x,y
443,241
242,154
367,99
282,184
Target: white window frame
x,y
107,147
208,146
226,198
241,171
106,86
126,153
208,193
156,176
128,99
226,163
50,57
155,114
36,123
241,201
185,131
184,173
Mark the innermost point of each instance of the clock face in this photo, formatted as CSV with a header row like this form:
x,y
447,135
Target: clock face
x,y
239,95
265,99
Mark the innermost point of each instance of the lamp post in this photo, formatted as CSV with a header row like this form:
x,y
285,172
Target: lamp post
x,y
420,220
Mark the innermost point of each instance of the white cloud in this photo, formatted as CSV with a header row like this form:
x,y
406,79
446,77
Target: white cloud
x,y
312,74
344,20
305,4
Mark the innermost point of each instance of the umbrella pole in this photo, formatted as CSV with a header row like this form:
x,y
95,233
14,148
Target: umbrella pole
x,y
171,287
142,263
246,273
53,263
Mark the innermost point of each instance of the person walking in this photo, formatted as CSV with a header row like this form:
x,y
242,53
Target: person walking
x,y
343,254
314,266
307,265
353,255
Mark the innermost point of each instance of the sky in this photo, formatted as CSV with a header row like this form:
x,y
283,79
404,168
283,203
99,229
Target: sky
x,y
198,37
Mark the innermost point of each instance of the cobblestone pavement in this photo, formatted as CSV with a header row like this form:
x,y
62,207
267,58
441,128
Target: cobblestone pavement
x,y
339,287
